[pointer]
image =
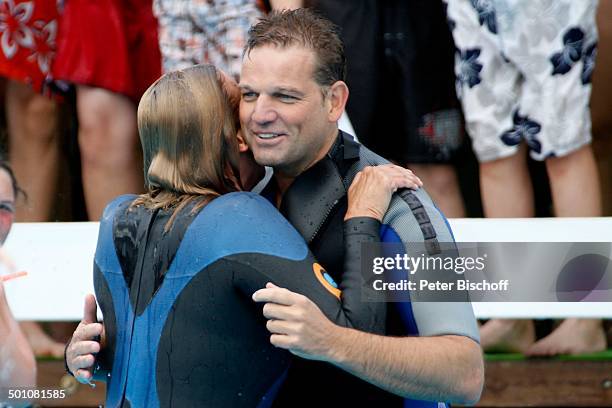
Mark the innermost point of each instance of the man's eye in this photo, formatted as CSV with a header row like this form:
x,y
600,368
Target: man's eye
x,y
249,95
287,98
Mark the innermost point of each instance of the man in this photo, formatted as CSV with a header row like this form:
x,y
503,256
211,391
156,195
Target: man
x,y
293,94
292,97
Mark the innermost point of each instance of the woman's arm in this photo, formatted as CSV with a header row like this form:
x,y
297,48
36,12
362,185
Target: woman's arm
x,y
17,363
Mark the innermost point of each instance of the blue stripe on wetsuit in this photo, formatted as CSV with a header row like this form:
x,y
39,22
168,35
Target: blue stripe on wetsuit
x,y
274,236
388,235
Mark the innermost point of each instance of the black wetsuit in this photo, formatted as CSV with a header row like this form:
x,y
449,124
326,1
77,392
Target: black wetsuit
x,y
182,328
315,204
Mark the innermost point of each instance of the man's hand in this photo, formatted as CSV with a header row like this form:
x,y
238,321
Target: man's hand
x,y
296,323
80,354
370,192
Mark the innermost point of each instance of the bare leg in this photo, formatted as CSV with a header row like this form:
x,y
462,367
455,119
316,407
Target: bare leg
x,y
507,335
441,183
576,193
34,149
573,336
34,156
507,192
506,187
574,183
110,151
41,343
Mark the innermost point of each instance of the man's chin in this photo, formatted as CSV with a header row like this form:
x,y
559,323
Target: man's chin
x,y
268,159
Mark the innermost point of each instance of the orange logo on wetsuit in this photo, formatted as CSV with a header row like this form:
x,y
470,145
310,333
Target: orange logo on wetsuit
x,y
326,280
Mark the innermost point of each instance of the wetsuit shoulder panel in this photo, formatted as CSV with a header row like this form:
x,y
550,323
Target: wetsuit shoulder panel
x,y
400,223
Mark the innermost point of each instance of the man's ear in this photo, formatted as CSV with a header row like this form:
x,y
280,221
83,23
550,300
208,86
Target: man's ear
x,y
242,145
338,95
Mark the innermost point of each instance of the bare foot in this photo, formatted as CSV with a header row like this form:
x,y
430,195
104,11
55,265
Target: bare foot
x,y
507,335
41,343
573,336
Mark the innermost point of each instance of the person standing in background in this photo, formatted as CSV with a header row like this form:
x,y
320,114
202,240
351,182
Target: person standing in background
x,y
524,78
109,50
195,32
29,34
17,363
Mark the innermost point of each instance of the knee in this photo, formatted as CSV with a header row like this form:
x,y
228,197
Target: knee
x,y
91,141
107,128
499,169
443,177
40,120
558,167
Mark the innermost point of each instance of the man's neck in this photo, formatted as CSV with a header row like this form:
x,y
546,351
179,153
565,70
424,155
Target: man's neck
x,y
284,181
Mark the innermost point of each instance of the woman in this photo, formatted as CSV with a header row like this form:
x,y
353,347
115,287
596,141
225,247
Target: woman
x,y
176,267
17,364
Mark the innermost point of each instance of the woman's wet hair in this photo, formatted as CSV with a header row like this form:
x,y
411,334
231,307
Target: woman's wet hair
x,y
187,123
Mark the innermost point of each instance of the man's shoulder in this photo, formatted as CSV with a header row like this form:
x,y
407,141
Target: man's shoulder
x,y
410,212
368,158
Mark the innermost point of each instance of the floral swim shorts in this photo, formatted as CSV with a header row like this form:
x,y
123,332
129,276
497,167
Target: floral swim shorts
x,y
204,31
523,72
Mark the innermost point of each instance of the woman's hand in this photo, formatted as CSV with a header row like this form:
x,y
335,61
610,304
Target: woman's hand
x,y
372,188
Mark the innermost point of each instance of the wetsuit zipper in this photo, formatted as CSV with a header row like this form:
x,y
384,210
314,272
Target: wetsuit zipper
x,y
327,214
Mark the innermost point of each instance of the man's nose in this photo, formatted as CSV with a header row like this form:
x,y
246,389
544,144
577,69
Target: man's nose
x,y
264,111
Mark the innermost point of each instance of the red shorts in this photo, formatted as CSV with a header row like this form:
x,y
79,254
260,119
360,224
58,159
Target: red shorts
x,y
109,44
28,31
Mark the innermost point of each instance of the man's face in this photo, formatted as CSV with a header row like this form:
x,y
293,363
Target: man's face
x,y
284,115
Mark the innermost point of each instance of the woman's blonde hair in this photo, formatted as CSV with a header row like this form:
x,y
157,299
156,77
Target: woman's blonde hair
x,y
187,124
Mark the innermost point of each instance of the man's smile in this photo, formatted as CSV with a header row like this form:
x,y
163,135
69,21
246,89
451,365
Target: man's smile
x,y
268,135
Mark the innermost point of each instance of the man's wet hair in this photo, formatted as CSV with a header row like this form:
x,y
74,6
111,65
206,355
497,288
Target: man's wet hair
x,y
303,28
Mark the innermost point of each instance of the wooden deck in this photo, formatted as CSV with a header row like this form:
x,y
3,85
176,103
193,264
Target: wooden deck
x,y
510,382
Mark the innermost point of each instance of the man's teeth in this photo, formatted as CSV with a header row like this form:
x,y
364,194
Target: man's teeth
x,y
267,135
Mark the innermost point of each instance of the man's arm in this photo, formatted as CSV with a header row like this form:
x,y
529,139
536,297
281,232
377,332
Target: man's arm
x,y
86,342
441,368
438,368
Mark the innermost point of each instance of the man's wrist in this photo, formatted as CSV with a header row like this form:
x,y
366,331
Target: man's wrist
x,y
335,353
366,212
66,359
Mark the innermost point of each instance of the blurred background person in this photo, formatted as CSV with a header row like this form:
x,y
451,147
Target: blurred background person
x,y
29,33
17,364
524,78
214,32
109,50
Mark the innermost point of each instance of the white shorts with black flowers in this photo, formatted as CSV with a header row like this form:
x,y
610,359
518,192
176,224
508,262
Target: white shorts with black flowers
x,y
524,73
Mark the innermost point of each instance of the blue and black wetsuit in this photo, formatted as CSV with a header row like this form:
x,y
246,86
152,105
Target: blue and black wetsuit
x,y
182,329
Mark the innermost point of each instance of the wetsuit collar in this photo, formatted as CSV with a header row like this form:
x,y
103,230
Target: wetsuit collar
x,y
314,194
